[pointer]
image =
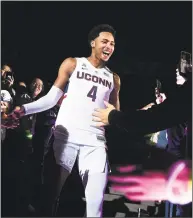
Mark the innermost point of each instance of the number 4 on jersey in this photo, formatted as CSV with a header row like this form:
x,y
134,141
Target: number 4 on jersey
x,y
92,93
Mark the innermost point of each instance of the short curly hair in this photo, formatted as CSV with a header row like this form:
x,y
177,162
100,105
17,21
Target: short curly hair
x,y
95,31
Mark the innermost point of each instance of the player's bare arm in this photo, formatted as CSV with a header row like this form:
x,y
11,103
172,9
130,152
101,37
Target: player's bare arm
x,y
114,97
64,72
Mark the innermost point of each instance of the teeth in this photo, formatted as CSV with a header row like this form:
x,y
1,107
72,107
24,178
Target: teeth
x,y
106,53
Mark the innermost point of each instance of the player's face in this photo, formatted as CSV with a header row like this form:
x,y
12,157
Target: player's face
x,y
104,46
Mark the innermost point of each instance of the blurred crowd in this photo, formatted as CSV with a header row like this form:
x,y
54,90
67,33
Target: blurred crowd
x,y
23,148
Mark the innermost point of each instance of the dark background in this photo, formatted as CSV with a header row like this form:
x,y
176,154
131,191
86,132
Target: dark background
x,y
38,36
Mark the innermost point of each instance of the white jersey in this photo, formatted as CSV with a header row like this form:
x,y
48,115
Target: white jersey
x,y
87,89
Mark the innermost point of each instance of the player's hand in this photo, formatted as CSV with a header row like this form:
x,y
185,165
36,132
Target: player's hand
x,y
17,113
9,123
12,120
100,116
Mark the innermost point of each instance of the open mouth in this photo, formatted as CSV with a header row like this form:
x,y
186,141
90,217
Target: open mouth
x,y
106,54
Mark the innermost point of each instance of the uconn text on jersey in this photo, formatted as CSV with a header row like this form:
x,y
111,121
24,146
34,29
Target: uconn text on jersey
x,y
93,78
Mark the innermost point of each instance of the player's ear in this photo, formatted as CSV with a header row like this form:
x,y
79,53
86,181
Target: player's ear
x,y
92,44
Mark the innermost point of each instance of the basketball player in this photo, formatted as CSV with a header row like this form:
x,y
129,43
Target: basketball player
x,y
76,135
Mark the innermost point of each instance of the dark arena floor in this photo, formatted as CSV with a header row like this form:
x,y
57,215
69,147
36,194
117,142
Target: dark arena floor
x,y
115,205
72,204
72,201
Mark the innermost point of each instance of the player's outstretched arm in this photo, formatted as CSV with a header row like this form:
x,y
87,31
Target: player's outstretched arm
x,y
52,97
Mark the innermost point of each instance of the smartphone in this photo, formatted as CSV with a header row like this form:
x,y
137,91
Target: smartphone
x,y
9,75
185,59
158,88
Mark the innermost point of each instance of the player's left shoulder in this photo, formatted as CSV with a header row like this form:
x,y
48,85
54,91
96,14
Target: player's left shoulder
x,y
108,71
116,78
117,82
111,72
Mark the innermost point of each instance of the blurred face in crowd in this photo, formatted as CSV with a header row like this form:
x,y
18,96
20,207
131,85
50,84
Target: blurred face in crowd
x,y
7,76
5,69
36,87
180,80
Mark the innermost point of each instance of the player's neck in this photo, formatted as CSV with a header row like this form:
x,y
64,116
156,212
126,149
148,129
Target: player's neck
x,y
96,62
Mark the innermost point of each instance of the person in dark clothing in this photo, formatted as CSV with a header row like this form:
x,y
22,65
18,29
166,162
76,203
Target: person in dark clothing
x,y
179,144
42,138
16,152
174,110
20,133
178,135
42,142
24,130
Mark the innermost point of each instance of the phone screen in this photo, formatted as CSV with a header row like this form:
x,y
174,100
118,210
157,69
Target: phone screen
x,y
185,59
9,74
